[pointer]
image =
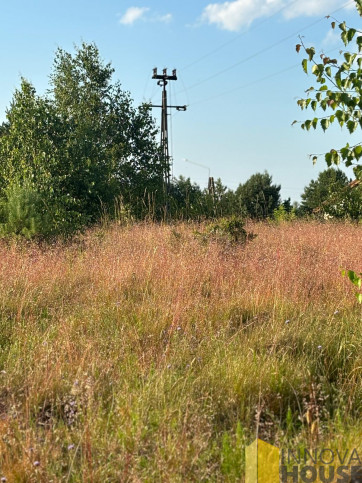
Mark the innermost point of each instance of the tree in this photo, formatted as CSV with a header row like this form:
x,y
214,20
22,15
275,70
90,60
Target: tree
x,y
83,144
331,194
225,200
110,146
258,197
30,159
186,198
339,94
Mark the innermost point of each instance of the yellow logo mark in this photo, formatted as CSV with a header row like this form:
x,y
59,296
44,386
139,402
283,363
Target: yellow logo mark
x,y
262,463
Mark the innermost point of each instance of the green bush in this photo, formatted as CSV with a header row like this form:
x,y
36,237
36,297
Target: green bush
x,y
23,212
281,214
227,230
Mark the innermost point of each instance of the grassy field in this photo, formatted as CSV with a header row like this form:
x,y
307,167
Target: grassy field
x,y
141,353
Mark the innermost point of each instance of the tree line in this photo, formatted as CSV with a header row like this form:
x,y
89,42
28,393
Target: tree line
x,y
83,151
331,195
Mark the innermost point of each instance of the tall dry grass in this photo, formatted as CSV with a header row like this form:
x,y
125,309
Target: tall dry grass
x,y
141,354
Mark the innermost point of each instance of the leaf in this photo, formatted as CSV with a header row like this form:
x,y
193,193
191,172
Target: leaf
x,y
359,43
351,34
352,126
358,151
342,26
310,52
354,278
328,158
305,65
359,6
348,57
335,157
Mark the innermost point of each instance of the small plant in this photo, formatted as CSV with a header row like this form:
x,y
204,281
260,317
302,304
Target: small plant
x,y
229,230
233,453
22,212
281,214
356,280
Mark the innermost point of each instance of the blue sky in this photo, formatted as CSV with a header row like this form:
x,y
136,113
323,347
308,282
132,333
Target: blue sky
x,y
237,67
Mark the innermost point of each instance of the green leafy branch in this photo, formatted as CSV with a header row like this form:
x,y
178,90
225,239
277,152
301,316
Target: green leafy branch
x,y
340,89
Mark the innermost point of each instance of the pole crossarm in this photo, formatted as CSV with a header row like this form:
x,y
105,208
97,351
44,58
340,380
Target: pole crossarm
x,y
164,75
178,108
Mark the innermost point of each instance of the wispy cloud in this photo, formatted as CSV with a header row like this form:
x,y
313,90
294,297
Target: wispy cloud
x,y
133,14
312,8
164,18
332,38
233,15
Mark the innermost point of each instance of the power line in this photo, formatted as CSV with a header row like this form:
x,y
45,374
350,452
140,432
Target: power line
x,y
266,49
238,36
249,84
252,56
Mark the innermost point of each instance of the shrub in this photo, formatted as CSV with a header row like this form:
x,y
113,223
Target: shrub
x,y
227,230
281,214
23,213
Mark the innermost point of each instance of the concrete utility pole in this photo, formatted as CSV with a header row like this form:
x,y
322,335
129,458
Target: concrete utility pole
x,y
162,82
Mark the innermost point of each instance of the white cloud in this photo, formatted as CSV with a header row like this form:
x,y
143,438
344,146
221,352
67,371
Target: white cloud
x,y
165,18
312,8
332,38
133,14
140,13
233,15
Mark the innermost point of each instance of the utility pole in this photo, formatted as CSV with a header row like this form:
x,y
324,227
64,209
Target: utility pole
x,y
163,80
210,185
211,182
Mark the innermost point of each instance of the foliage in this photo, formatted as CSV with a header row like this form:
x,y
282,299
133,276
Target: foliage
x,y
355,280
83,144
282,214
332,195
186,199
23,213
230,230
258,197
339,91
233,454
225,201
